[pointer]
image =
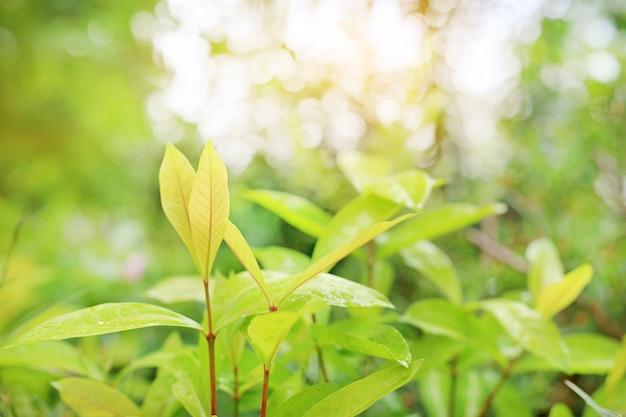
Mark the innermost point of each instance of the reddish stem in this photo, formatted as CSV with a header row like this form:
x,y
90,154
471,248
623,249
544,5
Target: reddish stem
x,y
266,380
210,338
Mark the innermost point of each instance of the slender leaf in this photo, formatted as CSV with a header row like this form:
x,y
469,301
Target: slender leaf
x,y
267,331
435,389
434,223
297,211
617,372
603,412
341,252
159,400
242,250
512,402
53,355
559,295
277,258
103,319
345,226
382,341
178,289
545,265
304,400
437,349
209,206
530,329
358,396
89,398
176,178
436,266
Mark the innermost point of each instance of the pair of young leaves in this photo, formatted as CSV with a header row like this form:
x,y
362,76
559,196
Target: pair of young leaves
x,y
197,205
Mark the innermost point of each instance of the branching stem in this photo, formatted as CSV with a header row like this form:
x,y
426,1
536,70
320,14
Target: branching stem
x,y
492,395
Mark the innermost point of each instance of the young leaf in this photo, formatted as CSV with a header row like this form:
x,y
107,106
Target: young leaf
x,y
267,331
242,250
359,214
176,178
103,319
434,223
341,252
545,265
382,341
558,295
297,211
178,289
618,370
436,266
530,329
358,396
90,398
209,205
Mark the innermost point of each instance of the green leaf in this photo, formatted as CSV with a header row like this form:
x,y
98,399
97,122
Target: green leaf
x,y
352,219
618,370
188,387
559,295
340,292
381,340
512,401
304,400
209,206
277,258
358,396
530,329
362,168
341,252
297,211
238,297
434,223
53,355
436,266
267,331
545,265
589,354
178,289
159,400
103,319
434,386
560,410
439,317
410,189
176,178
89,398
437,349
242,250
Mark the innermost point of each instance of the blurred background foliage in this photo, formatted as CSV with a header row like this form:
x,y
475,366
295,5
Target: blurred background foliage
x,y
91,91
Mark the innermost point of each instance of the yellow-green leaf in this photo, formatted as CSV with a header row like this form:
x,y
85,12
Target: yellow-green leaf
x,y
545,265
176,178
557,296
208,208
242,250
341,252
267,331
90,398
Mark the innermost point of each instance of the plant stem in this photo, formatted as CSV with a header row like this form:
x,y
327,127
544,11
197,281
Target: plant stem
x,y
320,356
236,391
454,371
492,395
266,380
210,338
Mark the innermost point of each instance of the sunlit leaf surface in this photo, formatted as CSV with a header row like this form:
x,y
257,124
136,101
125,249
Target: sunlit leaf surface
x,y
89,398
103,319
